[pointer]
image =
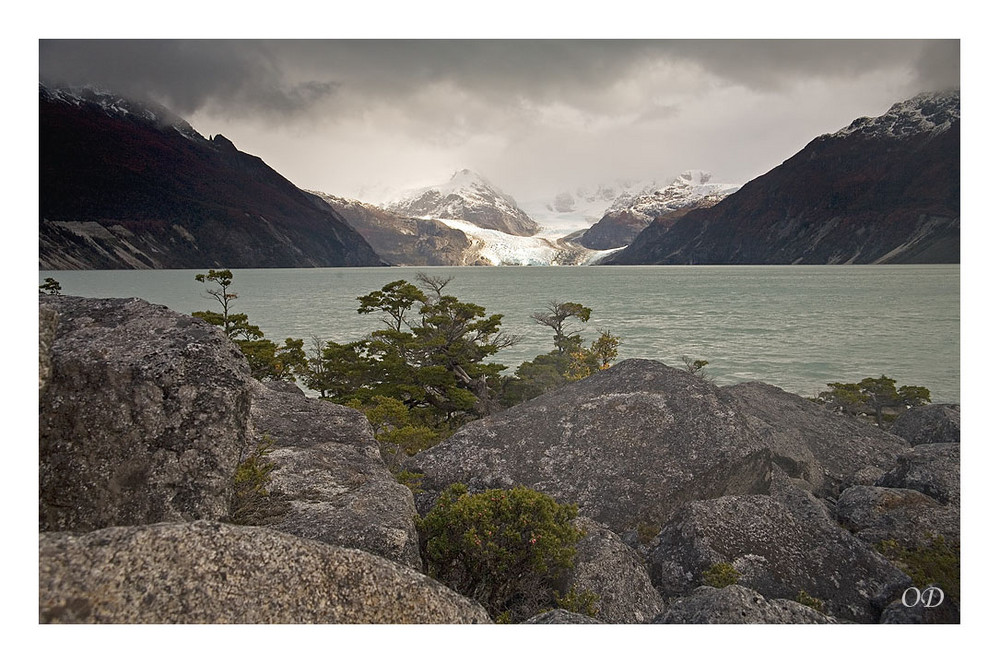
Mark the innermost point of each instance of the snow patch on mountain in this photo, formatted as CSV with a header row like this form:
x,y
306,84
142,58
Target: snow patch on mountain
x,y
116,105
930,113
687,189
467,196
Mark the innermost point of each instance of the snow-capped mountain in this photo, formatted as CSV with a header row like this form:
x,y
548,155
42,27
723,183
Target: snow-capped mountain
x,y
687,188
467,196
579,209
928,113
631,213
117,106
881,190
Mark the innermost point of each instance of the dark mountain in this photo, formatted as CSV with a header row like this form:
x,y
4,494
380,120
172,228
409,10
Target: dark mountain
x,y
883,190
403,240
130,185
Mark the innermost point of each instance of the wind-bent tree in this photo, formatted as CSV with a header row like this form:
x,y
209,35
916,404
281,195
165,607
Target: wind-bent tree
x,y
50,286
568,362
555,316
267,360
873,396
431,355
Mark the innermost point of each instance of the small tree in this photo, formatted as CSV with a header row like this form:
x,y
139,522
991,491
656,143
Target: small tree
x,y
504,549
570,361
695,367
50,286
556,316
873,395
249,502
605,349
431,355
720,575
224,279
267,360
395,430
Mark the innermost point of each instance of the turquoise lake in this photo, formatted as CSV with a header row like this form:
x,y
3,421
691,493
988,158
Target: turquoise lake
x,y
797,327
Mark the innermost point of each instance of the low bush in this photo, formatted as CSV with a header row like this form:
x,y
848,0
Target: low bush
x,y
937,564
503,548
810,601
250,492
720,575
579,601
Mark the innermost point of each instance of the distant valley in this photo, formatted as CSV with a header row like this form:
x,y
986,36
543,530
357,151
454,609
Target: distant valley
x,y
125,184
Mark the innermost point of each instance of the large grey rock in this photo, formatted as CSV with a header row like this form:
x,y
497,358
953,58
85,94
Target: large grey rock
x,y
779,551
608,567
737,605
875,514
628,445
935,423
48,319
932,469
142,418
329,482
827,450
206,572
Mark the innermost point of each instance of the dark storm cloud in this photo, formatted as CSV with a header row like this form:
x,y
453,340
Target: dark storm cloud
x,y
776,64
186,75
287,77
534,115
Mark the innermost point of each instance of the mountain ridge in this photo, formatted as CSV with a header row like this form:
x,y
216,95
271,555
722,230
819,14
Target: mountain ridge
x,y
630,214
128,185
882,190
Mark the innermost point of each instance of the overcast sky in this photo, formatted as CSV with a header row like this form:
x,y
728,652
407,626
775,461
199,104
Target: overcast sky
x,y
352,117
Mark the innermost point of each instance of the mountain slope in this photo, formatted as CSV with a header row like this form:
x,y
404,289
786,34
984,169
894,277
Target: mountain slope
x,y
883,190
402,240
574,211
467,196
130,185
629,215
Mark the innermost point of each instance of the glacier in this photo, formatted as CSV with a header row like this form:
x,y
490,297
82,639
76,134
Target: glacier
x,y
498,248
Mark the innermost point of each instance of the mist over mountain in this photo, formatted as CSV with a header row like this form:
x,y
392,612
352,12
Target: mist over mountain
x,y
126,184
630,214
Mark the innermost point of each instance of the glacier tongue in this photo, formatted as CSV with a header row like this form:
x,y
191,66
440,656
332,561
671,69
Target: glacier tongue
x,y
498,248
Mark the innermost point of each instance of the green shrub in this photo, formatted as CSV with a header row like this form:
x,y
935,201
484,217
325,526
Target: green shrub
x,y
937,564
411,480
579,601
502,548
720,575
397,429
810,601
250,494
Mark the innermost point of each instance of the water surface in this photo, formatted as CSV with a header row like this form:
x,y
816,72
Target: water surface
x,y
797,327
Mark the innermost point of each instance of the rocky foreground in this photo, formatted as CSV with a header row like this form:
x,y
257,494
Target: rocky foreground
x,y
146,413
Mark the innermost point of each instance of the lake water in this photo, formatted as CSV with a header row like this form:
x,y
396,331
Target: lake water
x,y
797,327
